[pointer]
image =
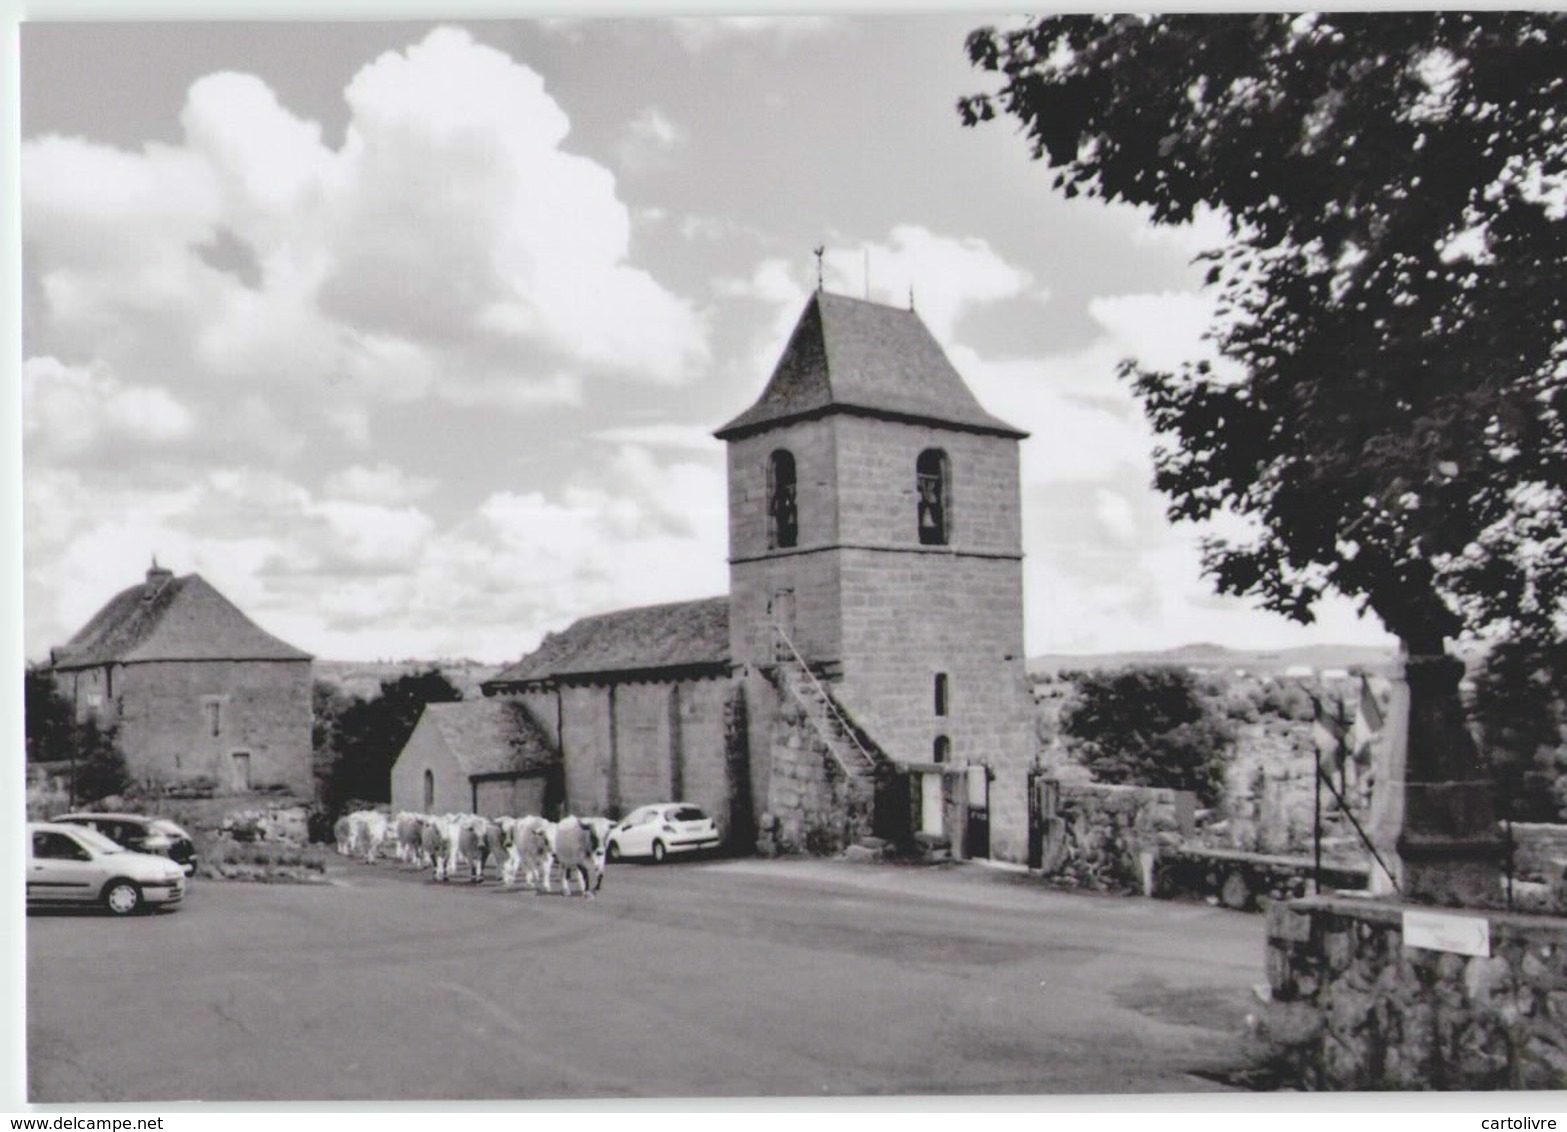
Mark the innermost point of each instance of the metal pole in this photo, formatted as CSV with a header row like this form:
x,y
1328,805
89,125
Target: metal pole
x,y
1316,825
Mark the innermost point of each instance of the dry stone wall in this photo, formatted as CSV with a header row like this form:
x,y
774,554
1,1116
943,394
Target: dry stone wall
x,y
1108,838
1354,1007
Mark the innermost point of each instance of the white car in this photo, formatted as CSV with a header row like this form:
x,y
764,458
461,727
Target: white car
x,y
660,830
70,864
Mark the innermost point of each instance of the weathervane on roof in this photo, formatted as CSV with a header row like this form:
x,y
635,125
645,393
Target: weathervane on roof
x,y
820,248
911,297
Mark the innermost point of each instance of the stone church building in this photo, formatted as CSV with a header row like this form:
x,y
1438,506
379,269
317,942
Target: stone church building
x,y
197,690
865,673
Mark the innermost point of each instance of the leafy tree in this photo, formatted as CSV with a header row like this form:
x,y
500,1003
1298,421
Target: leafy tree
x,y
100,770
1149,727
1518,706
53,734
1389,402
368,735
50,720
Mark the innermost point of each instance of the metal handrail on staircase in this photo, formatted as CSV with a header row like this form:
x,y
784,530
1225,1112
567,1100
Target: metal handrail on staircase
x,y
843,724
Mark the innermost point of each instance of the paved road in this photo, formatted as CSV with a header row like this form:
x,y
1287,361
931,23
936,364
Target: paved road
x,y
744,978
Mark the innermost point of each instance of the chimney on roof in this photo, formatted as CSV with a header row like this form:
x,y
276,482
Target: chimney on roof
x,y
157,578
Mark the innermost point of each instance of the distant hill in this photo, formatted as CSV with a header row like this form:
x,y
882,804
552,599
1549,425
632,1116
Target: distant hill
x,y
363,677
1212,657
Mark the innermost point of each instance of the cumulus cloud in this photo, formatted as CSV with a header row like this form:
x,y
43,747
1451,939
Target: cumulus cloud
x,y
449,249
69,411
650,140
361,567
380,484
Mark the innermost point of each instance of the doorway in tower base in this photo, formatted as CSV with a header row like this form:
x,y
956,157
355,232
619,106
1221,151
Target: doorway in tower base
x,y
951,803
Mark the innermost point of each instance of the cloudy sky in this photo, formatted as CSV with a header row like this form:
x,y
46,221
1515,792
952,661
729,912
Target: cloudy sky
x,y
411,338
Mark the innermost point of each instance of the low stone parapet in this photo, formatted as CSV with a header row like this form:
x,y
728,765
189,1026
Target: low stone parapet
x,y
1108,838
1479,1001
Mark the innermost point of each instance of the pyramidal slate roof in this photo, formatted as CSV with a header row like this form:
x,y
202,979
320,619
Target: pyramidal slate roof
x,y
491,736
169,618
686,634
850,355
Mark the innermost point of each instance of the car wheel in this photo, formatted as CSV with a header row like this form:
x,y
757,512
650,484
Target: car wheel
x,y
614,851
658,852
122,897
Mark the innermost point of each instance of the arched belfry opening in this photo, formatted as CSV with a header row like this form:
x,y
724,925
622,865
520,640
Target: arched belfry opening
x,y
933,481
783,516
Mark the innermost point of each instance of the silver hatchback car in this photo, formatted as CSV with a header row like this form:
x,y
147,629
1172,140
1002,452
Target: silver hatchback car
x,y
69,864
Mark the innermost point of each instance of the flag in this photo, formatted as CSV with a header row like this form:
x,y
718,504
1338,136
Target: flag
x,y
1368,722
1328,730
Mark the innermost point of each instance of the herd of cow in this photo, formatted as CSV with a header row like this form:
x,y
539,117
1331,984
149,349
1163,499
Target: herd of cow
x,y
528,847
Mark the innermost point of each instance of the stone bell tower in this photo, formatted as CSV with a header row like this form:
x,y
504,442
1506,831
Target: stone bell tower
x,y
875,533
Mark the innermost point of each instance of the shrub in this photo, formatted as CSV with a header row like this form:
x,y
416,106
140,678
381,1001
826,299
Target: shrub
x,y
1150,727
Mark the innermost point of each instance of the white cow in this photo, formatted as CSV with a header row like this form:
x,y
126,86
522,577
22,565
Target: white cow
x,y
530,852
343,831
367,831
579,848
438,843
478,839
410,839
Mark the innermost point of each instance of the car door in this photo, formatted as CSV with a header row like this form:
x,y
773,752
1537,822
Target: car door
x,y
60,869
636,834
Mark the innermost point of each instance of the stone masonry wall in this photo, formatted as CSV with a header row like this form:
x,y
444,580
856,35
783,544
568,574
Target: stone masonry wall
x,y
807,567
812,807
1107,838
911,611
1353,1007
585,748
877,488
629,744
265,712
908,617
1540,850
425,750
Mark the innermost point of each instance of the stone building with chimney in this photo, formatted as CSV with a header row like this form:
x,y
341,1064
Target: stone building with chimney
x,y
197,691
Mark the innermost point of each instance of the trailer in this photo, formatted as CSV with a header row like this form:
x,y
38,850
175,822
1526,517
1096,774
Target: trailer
x,y
1244,881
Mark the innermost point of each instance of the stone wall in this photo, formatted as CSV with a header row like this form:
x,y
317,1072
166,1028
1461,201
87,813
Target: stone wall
x,y
425,751
812,807
264,712
630,743
1108,838
1540,850
757,572
1353,1007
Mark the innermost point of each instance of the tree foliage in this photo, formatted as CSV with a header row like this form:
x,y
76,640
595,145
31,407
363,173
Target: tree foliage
x,y
1149,727
54,735
50,720
1387,403
1519,704
358,740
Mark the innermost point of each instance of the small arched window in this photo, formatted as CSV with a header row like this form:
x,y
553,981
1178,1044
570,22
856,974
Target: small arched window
x,y
933,484
429,791
783,517
943,750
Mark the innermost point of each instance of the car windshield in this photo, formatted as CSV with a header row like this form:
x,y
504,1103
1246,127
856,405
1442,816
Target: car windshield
x,y
95,840
687,813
